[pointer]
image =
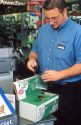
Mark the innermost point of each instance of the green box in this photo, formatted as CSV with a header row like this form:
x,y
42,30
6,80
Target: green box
x,y
34,102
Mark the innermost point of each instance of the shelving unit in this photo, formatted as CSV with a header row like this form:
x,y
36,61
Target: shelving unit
x,y
74,10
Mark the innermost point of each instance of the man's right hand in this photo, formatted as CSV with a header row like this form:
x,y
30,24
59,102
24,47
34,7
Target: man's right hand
x,y
32,64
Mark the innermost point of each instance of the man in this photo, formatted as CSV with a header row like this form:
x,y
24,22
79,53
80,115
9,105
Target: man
x,y
57,53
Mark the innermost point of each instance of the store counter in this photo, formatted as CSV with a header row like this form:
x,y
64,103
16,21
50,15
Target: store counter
x,y
47,121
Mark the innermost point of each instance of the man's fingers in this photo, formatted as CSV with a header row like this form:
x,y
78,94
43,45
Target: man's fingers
x,y
32,65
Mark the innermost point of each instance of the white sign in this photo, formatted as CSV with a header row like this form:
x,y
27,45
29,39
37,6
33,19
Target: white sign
x,y
7,2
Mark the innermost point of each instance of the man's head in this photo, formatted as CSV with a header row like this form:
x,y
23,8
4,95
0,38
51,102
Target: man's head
x,y
55,12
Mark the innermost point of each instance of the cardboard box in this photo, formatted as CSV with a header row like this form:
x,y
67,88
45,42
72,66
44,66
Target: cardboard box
x,y
11,98
34,103
7,112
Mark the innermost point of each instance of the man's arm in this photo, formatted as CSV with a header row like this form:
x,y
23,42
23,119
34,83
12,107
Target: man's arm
x,y
32,55
70,72
53,75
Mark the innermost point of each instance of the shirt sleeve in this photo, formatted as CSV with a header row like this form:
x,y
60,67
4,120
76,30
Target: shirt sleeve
x,y
77,47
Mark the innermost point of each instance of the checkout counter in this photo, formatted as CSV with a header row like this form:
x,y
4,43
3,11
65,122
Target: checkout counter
x,y
50,120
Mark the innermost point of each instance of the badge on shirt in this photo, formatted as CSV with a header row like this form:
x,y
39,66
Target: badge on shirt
x,y
61,46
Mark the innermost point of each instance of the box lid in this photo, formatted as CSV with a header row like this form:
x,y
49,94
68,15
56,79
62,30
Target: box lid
x,y
29,86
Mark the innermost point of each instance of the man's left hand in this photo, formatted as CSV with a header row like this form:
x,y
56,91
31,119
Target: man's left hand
x,y
50,75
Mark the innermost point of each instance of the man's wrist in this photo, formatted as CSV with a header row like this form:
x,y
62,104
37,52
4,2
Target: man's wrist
x,y
32,59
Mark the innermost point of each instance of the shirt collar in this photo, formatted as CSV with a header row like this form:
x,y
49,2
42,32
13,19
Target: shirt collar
x,y
62,26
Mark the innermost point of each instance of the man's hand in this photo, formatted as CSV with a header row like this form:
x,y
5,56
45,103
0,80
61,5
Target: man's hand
x,y
50,75
32,64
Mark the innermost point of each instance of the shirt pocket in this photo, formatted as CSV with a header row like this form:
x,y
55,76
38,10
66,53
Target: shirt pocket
x,y
62,59
63,54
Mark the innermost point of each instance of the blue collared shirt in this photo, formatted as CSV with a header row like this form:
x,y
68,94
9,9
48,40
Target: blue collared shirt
x,y
59,49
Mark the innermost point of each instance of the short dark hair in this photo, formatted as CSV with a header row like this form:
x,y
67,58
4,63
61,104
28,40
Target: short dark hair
x,y
51,4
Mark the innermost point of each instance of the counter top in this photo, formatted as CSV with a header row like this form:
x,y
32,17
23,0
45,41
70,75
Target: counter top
x,y
47,121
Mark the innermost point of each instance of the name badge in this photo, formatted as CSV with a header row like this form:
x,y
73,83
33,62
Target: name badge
x,y
60,46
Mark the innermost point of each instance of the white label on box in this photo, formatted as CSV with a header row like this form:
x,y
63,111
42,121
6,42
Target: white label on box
x,y
40,112
4,110
21,87
11,99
